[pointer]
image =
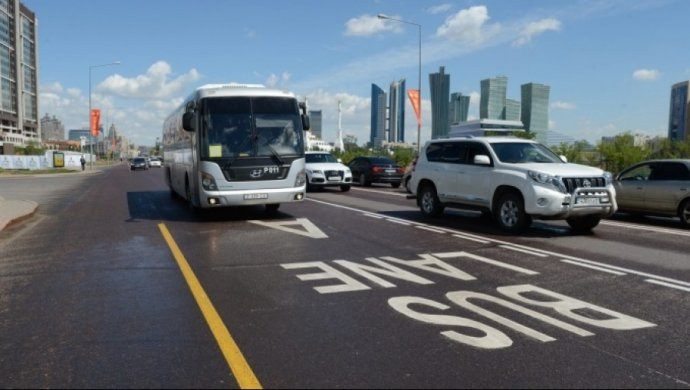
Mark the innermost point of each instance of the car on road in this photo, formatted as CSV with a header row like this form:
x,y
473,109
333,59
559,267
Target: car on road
x,y
655,187
376,169
155,162
511,179
138,163
324,170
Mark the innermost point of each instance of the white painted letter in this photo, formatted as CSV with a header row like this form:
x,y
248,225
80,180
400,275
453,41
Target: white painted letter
x,y
350,284
386,269
567,306
492,339
461,299
430,263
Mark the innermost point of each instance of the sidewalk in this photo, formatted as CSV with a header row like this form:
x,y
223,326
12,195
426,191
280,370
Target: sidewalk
x,y
15,210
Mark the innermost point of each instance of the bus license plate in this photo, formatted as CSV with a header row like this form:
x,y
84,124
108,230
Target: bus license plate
x,y
255,196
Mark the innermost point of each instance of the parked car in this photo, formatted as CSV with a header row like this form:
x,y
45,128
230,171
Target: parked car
x,y
656,187
324,170
368,169
155,162
138,163
511,179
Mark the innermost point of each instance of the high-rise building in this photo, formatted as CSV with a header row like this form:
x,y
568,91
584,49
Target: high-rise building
x,y
459,108
378,116
19,122
492,103
679,112
52,129
315,122
439,85
396,112
535,109
512,110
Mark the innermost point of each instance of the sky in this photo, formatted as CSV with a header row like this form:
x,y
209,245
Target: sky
x,y
610,63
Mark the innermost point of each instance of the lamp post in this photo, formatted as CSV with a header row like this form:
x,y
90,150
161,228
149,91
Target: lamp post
x,y
92,138
419,85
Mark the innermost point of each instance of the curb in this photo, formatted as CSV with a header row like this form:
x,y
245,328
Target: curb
x,y
27,208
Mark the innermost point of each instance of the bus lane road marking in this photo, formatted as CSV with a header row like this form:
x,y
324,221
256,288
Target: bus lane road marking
x,y
233,356
583,263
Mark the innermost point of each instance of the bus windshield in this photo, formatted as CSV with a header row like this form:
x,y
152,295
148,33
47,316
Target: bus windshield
x,y
235,127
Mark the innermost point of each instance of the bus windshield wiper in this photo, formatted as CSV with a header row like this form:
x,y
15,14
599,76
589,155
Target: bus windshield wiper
x,y
275,154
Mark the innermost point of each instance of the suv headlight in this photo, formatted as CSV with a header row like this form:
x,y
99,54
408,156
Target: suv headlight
x,y
545,178
608,178
315,171
208,182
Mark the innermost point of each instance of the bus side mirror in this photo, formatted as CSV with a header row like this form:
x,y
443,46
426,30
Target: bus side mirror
x,y
189,121
305,122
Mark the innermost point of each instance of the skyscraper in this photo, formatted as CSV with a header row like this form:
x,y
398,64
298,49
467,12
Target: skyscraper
x,y
315,123
439,85
18,74
679,112
459,108
535,109
378,116
492,103
396,112
512,110
52,129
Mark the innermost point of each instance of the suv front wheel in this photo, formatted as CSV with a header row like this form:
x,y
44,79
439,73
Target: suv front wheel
x,y
509,213
583,224
429,203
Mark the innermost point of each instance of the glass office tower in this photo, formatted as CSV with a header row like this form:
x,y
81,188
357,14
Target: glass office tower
x,y
679,112
492,103
378,116
512,110
396,112
315,122
535,109
459,108
439,84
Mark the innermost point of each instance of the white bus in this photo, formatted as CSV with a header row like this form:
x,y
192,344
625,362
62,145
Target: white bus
x,y
236,144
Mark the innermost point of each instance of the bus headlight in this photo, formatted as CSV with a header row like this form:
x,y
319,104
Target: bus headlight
x,y
208,182
301,179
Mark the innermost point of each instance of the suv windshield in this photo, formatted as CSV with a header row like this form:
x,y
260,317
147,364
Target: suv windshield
x,y
524,152
320,158
250,127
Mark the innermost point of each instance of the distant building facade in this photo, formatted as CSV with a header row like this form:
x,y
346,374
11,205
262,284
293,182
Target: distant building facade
x,y
378,116
52,129
19,123
535,109
492,103
679,112
396,112
315,122
512,110
439,85
458,108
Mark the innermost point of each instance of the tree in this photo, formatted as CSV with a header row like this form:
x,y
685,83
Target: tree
x,y
621,152
667,148
574,152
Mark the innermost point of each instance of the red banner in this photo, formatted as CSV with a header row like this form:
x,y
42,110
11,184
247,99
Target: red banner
x,y
95,119
413,94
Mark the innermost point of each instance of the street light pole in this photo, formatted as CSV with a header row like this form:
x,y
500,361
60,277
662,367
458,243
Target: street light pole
x,y
92,140
419,84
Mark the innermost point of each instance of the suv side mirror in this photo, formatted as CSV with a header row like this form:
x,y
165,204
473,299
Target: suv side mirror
x,y
482,159
189,121
340,160
563,158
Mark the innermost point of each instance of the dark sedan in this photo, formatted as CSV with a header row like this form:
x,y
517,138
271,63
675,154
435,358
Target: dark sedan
x,y
368,169
138,163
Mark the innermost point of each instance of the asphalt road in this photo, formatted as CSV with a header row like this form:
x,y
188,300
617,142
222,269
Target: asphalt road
x,y
350,289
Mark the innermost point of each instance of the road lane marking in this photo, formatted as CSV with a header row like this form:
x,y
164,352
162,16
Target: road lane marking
x,y
430,229
233,356
307,228
380,192
516,249
667,284
477,238
465,255
602,269
398,221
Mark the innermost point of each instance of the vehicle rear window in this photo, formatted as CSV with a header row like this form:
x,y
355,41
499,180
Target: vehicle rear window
x,y
381,161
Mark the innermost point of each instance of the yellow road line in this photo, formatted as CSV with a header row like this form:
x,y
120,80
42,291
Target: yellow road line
x,y
239,366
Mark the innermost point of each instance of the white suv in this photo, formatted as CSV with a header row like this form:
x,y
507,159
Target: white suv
x,y
325,170
511,179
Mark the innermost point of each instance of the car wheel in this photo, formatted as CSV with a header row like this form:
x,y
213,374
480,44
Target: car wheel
x,y
363,181
684,213
395,184
344,188
429,203
509,213
583,224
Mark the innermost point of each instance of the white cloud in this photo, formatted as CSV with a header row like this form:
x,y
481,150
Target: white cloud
x,y
51,87
274,80
563,105
646,74
437,9
469,26
533,29
155,83
552,124
366,25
